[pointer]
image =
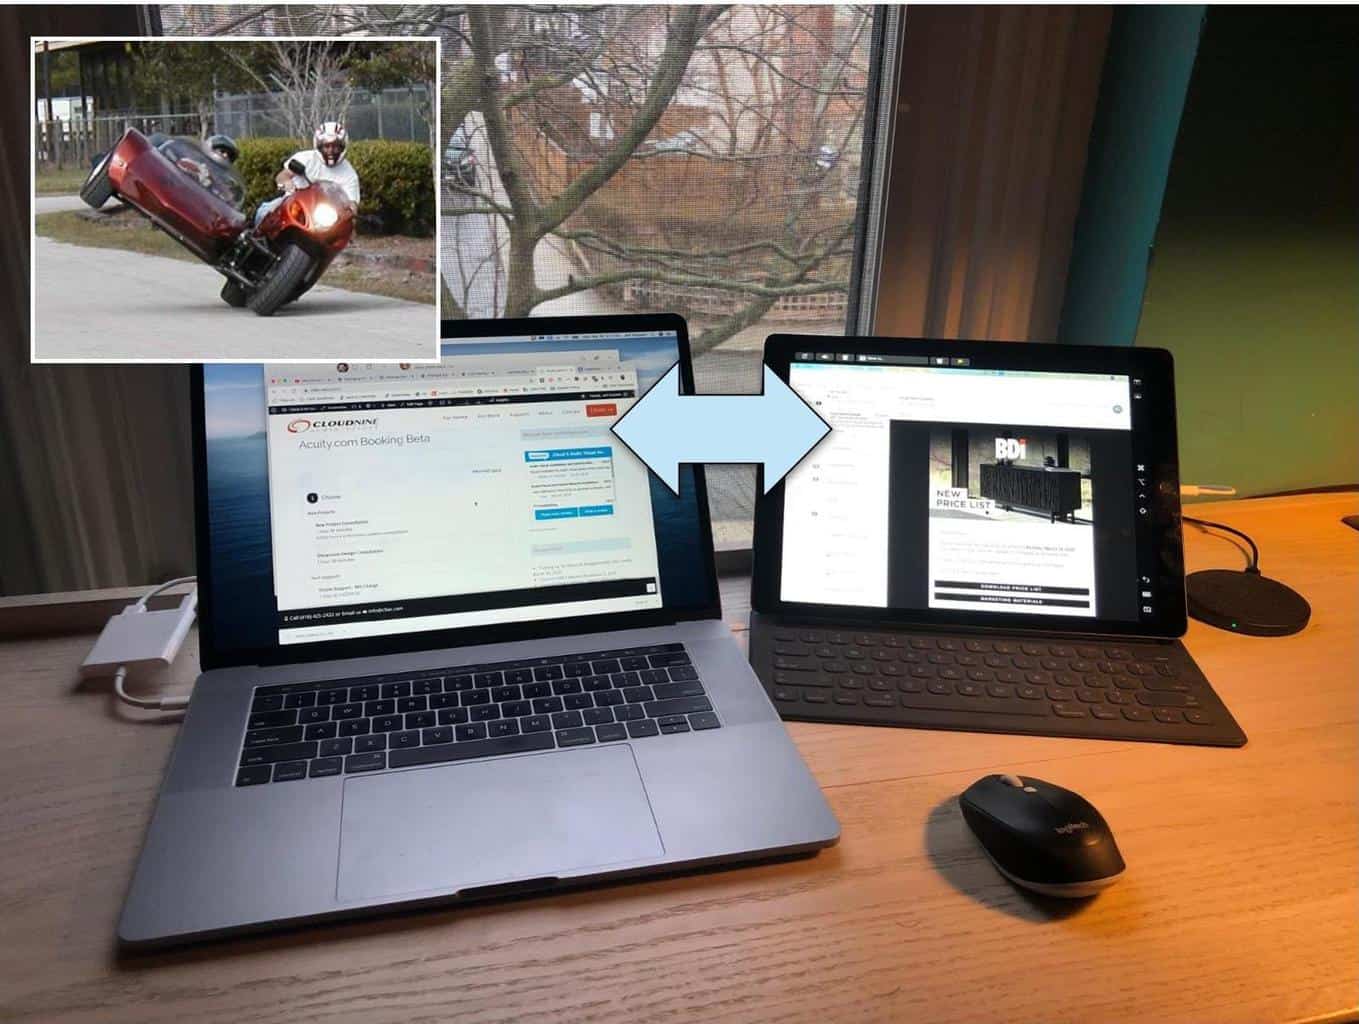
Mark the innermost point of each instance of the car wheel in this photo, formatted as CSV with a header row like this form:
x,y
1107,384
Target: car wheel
x,y
234,294
97,189
288,273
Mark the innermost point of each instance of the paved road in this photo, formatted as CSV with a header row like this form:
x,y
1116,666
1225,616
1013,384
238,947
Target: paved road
x,y
107,304
52,204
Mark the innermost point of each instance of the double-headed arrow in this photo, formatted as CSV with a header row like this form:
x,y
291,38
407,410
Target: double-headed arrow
x,y
665,429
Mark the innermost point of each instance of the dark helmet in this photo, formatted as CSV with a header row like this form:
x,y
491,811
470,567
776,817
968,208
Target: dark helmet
x,y
222,147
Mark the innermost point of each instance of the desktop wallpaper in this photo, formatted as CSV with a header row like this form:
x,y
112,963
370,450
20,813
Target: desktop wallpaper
x,y
238,492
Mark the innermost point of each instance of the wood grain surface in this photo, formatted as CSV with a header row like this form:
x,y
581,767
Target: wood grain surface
x,y
1239,903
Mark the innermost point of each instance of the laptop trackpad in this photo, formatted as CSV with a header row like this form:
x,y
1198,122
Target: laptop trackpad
x,y
483,822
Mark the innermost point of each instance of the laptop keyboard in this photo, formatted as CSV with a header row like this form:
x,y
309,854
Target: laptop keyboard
x,y
341,727
1097,689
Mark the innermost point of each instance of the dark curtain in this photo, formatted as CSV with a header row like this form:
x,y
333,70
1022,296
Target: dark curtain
x,y
994,112
95,481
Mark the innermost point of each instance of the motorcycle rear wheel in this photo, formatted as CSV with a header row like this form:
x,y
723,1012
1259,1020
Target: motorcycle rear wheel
x,y
97,189
234,294
278,287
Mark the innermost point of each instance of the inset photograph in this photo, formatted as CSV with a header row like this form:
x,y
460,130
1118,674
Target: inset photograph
x,y
235,200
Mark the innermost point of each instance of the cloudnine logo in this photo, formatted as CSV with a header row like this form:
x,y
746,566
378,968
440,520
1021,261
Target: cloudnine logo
x,y
301,426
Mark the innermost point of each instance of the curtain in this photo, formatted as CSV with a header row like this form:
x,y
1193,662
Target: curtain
x,y
994,110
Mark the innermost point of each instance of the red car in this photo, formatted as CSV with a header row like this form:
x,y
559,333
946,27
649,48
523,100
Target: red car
x,y
188,196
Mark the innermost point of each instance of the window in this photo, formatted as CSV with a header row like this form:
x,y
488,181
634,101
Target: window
x,y
705,162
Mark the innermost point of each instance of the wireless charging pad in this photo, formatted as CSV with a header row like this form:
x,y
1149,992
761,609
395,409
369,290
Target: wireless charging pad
x,y
1245,602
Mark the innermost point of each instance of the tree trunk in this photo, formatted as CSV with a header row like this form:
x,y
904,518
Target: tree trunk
x,y
521,288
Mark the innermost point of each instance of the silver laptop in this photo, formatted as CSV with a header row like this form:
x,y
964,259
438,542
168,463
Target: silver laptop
x,y
458,644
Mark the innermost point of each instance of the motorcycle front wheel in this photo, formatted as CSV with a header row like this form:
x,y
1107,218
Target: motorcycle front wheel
x,y
292,267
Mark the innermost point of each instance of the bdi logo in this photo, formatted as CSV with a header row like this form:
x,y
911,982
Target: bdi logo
x,y
1010,447
299,426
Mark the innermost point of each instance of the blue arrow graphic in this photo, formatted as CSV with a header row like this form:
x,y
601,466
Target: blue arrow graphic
x,y
776,428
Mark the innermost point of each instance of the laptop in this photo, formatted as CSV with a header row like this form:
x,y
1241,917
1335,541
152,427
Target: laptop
x,y
988,539
458,644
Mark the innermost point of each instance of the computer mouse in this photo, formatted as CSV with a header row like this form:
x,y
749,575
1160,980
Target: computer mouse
x,y
1042,837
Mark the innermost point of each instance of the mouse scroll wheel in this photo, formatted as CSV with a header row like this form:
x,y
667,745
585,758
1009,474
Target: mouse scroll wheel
x,y
1012,780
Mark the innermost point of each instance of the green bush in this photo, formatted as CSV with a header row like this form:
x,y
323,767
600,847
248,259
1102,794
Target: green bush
x,y
396,183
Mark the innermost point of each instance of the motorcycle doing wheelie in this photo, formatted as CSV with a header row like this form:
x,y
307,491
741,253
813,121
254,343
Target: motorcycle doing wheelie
x,y
189,197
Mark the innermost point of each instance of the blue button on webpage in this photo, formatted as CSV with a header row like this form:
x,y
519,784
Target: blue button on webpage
x,y
555,513
596,510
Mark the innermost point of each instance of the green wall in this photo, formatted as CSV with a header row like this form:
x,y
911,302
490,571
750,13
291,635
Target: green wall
x,y
1255,282
1142,89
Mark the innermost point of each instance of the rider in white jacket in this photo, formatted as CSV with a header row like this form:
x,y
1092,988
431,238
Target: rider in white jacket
x,y
326,161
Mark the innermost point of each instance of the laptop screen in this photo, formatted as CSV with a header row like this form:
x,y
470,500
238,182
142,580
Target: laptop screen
x,y
951,488
353,500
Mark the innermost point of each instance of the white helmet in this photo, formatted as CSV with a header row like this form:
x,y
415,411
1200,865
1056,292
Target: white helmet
x,y
330,141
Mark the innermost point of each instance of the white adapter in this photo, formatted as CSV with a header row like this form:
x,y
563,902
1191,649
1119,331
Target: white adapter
x,y
137,638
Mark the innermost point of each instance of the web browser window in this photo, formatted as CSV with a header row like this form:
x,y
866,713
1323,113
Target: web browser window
x,y
947,487
485,489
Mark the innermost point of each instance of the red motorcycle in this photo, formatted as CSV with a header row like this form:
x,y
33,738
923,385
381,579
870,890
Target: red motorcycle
x,y
190,198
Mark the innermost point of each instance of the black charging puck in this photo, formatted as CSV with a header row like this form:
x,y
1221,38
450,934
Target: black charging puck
x,y
1245,602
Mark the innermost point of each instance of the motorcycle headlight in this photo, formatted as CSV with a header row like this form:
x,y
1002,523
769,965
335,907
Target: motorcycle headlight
x,y
325,215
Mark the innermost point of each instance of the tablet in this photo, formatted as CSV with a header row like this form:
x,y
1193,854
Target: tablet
x,y
978,484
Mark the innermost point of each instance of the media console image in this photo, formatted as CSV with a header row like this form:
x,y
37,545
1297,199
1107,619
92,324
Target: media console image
x,y
1004,526
994,471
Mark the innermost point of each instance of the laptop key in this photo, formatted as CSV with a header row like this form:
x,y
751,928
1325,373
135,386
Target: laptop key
x,y
628,713
333,748
324,766
290,771
575,737
453,716
535,723
396,689
704,720
667,691
638,694
439,734
485,712
472,731
519,675
611,732
367,744
323,731
680,706
273,737
468,749
254,776
567,720
578,701
643,727
532,691
269,702
370,762
403,740
387,723
272,719
503,727
300,700
269,755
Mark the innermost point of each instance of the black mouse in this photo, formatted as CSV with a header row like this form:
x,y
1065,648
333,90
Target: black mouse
x,y
1042,837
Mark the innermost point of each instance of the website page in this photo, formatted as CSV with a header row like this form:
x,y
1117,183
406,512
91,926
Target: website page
x,y
485,489
979,490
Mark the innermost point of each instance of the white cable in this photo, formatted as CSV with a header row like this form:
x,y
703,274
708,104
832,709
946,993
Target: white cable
x,y
120,676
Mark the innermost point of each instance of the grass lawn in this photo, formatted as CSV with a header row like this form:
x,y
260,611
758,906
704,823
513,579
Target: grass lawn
x,y
129,232
60,183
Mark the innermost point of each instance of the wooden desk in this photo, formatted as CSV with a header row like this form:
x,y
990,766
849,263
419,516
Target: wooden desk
x,y
1239,903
